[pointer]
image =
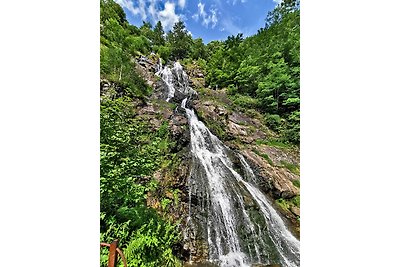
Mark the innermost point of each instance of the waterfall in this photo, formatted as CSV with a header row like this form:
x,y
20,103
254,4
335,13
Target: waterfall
x,y
229,211
175,79
166,75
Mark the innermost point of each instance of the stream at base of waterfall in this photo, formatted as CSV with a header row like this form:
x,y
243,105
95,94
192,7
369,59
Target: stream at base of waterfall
x,y
227,208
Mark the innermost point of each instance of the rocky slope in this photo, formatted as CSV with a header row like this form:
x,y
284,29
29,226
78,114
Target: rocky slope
x,y
244,130
276,164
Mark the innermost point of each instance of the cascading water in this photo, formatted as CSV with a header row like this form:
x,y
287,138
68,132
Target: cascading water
x,y
228,210
177,75
166,75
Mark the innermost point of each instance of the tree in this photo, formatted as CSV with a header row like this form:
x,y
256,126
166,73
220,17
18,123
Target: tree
x,y
109,9
146,30
180,41
198,49
275,16
158,36
272,88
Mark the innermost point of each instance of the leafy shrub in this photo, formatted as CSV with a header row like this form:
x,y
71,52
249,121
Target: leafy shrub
x,y
245,101
165,52
232,90
292,130
296,201
283,203
128,159
273,121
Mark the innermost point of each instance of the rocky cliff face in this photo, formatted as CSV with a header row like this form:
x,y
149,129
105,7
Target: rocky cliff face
x,y
276,167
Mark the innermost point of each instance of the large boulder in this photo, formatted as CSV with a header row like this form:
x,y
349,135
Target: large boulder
x,y
277,180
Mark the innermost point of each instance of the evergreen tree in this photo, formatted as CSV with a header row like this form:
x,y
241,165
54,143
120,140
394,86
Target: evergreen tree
x,y
180,41
158,36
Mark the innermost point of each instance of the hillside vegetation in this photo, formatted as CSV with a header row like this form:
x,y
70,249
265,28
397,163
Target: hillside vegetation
x,y
260,72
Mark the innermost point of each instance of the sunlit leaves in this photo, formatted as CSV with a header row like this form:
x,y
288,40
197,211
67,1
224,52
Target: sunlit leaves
x,y
130,151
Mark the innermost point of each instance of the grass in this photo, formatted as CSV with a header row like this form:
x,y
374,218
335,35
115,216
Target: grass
x,y
296,183
294,168
278,144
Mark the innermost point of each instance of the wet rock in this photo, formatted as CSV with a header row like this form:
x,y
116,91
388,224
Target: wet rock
x,y
180,131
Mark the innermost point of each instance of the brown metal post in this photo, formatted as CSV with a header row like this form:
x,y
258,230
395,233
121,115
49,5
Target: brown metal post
x,y
113,255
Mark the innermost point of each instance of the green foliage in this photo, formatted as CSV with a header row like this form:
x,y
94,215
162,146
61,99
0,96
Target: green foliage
x,y
164,52
296,183
296,200
176,193
158,36
278,144
294,168
265,67
198,49
118,45
292,129
261,72
245,101
150,245
285,204
179,40
232,90
272,88
130,151
109,9
273,121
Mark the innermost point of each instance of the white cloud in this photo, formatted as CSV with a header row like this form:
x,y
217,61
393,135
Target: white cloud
x,y
142,8
148,9
233,2
152,10
230,27
206,18
168,17
182,3
128,5
196,17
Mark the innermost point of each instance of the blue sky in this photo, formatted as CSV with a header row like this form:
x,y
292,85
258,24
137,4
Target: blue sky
x,y
208,19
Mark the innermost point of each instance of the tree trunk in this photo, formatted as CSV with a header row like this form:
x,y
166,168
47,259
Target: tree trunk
x,y
120,73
